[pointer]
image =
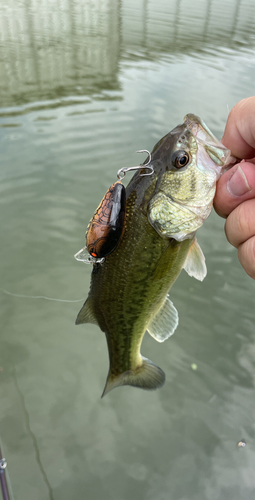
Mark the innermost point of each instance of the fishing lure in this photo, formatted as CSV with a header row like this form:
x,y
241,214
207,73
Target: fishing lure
x,y
107,225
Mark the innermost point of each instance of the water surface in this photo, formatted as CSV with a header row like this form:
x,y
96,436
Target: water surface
x,y
85,84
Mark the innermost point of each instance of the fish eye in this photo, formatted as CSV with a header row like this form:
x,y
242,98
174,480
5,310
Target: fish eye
x,y
180,159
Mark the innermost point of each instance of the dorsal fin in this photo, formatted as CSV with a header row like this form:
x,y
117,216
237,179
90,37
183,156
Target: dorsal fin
x,y
86,314
195,262
164,324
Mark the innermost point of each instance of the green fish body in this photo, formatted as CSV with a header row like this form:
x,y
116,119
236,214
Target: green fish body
x,y
129,290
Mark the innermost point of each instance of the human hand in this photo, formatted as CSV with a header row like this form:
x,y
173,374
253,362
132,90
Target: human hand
x,y
235,192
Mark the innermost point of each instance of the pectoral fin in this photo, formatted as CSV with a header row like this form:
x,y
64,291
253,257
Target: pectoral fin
x,y
164,324
195,262
86,314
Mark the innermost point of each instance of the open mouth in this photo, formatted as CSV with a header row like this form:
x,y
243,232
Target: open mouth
x,y
201,131
219,155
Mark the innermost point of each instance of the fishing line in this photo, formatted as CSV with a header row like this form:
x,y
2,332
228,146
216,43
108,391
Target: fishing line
x,y
19,295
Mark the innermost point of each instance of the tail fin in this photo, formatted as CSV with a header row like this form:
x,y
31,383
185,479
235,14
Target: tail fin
x,y
148,376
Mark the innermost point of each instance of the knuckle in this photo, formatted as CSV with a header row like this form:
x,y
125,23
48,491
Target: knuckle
x,y
246,255
246,219
240,224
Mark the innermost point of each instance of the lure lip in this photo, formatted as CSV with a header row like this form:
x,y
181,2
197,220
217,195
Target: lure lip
x,y
84,256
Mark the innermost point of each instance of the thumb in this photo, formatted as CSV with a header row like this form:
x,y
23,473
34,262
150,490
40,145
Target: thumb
x,y
234,187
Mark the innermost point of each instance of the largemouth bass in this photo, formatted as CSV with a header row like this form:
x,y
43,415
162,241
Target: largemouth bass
x,y
129,289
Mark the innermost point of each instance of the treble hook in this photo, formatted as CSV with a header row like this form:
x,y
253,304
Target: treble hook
x,y
122,171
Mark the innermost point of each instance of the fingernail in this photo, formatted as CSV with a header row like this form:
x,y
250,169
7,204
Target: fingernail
x,y
237,184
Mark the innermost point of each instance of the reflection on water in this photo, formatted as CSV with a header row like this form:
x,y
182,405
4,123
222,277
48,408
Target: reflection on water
x,y
84,84
57,49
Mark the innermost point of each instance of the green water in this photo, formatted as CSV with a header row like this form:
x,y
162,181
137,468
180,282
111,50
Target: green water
x,y
83,85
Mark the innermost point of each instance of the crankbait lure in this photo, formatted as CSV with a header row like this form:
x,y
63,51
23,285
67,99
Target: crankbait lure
x,y
107,225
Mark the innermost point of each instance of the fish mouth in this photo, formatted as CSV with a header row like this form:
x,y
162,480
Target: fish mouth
x,y
200,130
218,157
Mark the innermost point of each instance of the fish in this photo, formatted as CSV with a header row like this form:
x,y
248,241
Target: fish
x,y
129,289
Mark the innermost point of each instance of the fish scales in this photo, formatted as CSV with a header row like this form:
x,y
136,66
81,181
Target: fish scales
x,y
137,293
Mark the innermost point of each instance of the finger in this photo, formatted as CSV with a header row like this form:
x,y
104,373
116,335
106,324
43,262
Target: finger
x,y
234,187
246,255
239,135
240,224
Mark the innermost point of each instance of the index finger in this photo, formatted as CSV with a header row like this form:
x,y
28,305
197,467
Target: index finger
x,y
239,135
